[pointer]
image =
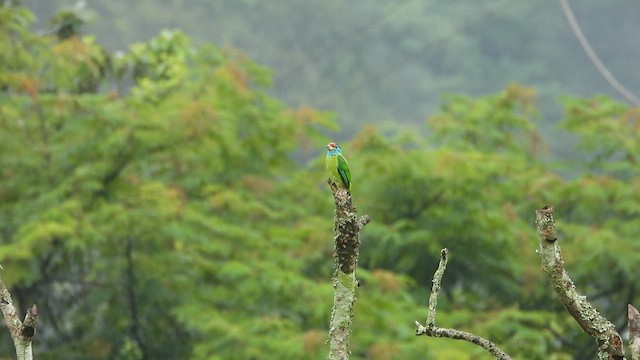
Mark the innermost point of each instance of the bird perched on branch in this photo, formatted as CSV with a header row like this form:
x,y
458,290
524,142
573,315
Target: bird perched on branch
x,y
338,168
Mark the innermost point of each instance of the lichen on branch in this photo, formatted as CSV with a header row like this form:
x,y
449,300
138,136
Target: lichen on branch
x,y
346,236
599,328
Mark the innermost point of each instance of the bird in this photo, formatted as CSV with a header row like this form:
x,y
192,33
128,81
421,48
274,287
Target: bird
x,y
338,168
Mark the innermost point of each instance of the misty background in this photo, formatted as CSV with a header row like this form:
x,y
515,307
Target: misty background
x,y
389,62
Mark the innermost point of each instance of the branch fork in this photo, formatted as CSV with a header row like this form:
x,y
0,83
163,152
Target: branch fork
x,y
21,332
432,330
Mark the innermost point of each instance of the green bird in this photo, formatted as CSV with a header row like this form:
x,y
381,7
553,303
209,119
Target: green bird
x,y
338,167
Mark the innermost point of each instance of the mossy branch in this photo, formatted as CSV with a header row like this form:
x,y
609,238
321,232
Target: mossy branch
x,y
346,236
599,328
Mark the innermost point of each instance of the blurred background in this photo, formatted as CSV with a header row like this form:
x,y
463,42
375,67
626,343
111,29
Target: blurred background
x,y
164,195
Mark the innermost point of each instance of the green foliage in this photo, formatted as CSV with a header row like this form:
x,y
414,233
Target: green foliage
x,y
68,22
472,189
473,179
159,65
608,129
133,207
159,203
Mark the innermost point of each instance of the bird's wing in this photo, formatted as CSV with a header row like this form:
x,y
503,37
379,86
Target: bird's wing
x,y
343,170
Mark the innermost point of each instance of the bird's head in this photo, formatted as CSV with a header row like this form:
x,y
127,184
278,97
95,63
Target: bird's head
x,y
333,147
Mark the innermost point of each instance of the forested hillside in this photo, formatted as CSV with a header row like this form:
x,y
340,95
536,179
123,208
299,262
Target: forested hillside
x,y
390,61
156,203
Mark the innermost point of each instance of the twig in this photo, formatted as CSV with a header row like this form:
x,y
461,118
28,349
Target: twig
x,y
432,330
634,331
346,235
21,332
435,288
602,330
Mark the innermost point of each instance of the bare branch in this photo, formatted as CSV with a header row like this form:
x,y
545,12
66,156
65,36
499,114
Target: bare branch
x,y
21,333
346,235
432,330
435,288
634,331
602,330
